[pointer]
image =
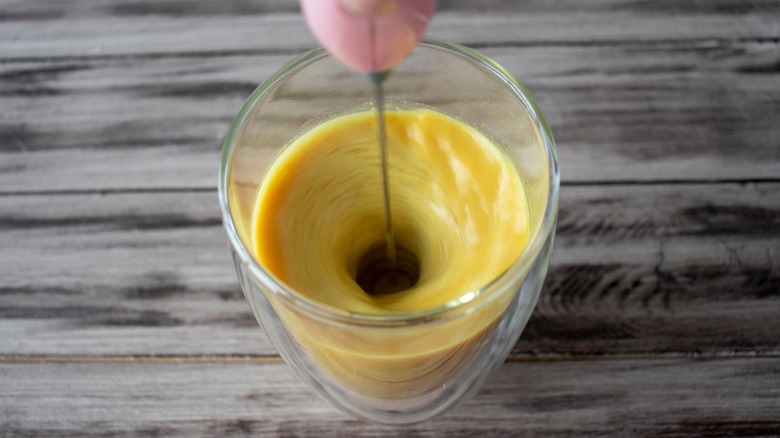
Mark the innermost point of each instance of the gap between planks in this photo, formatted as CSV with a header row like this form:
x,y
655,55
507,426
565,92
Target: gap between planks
x,y
514,358
594,183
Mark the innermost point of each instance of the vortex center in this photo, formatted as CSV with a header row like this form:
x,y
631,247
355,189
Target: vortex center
x,y
376,275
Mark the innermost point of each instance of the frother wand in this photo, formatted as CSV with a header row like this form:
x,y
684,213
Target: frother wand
x,y
372,37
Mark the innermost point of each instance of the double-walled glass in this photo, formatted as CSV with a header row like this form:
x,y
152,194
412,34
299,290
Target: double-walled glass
x,y
405,367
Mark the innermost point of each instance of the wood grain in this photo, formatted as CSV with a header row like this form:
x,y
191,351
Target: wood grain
x,y
689,268
118,272
629,113
21,10
667,398
99,28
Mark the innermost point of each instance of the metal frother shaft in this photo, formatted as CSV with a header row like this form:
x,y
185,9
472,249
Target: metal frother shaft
x,y
379,102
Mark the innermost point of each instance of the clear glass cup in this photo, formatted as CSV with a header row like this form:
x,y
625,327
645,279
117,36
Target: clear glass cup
x,y
406,367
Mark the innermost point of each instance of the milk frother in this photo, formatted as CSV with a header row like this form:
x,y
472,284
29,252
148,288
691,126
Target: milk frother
x,y
372,37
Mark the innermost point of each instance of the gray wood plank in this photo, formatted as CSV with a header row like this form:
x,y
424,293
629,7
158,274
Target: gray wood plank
x,y
21,9
667,398
126,274
637,269
99,28
679,112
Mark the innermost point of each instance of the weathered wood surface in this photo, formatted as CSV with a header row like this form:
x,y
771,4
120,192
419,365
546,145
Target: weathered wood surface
x,y
104,28
703,113
120,313
667,398
637,269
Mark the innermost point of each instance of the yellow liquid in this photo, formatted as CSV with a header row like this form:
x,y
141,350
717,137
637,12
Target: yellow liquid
x,y
457,203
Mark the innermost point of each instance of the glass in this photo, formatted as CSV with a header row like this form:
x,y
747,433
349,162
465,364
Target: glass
x,y
406,367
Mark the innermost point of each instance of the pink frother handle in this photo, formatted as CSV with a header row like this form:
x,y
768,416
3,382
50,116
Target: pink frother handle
x,y
370,36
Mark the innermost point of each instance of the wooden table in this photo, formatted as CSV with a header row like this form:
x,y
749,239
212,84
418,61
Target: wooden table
x,y
120,312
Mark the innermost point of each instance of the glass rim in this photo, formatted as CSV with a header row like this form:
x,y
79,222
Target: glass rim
x,y
468,302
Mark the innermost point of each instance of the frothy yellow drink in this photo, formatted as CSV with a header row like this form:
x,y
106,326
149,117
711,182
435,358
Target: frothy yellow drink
x,y
458,205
